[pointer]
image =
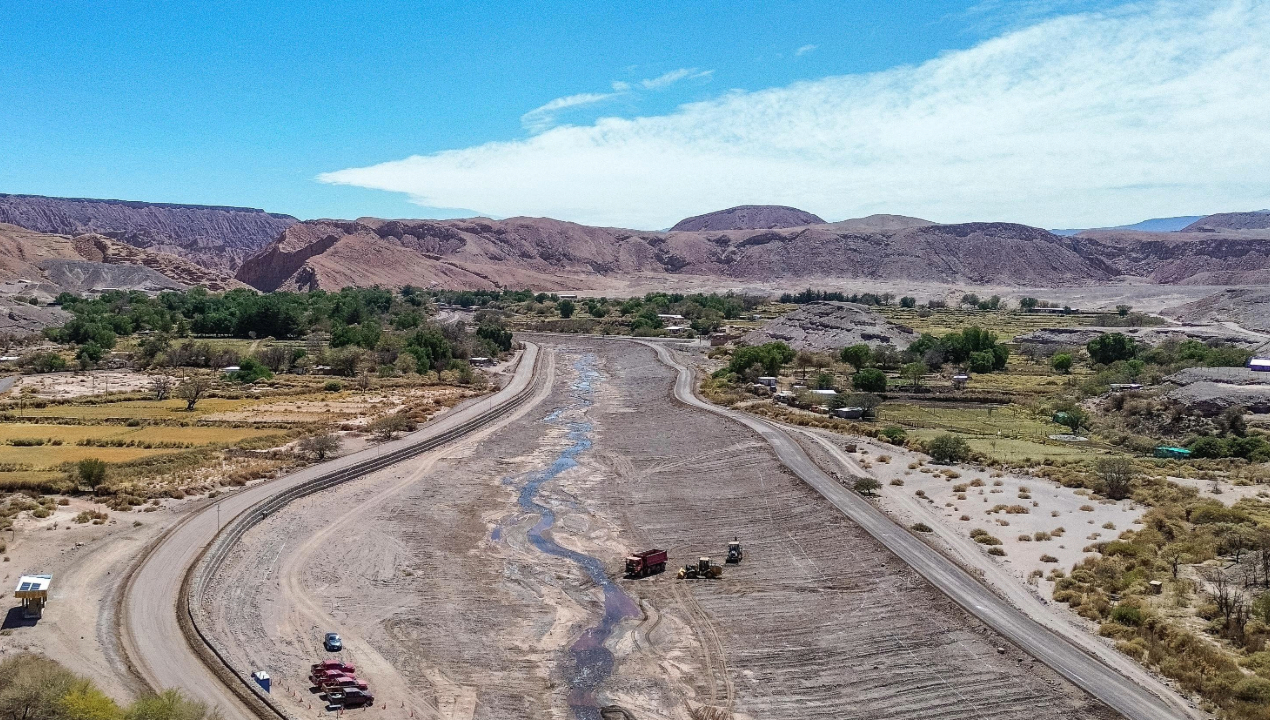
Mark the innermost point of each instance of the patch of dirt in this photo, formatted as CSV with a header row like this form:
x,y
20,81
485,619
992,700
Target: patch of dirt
x,y
829,326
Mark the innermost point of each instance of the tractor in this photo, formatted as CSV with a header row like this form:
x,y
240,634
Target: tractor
x,y
703,569
734,552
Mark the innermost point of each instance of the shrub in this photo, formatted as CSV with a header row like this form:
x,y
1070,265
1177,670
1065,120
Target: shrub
x,y
1109,348
894,435
866,486
1049,559
1126,615
1062,362
332,386
921,527
996,551
897,481
947,448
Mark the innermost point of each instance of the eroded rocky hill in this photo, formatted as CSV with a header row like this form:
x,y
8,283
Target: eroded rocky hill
x,y
214,237
550,254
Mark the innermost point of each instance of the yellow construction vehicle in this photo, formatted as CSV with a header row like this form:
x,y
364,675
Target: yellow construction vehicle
x,y
703,569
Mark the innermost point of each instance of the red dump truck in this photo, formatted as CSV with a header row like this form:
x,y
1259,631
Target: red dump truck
x,y
649,562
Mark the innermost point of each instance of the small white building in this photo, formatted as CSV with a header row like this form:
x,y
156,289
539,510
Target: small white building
x,y
767,380
1259,364
670,317
824,393
33,591
959,381
849,413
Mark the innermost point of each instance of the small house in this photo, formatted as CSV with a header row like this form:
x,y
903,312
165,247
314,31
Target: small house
x,y
230,369
824,393
1172,453
1121,387
667,316
1259,364
959,381
849,413
481,361
767,380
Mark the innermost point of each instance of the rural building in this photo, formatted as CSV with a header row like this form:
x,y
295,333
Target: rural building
x,y
767,380
849,413
784,396
959,381
1260,364
670,317
823,393
1174,453
1121,387
33,591
482,361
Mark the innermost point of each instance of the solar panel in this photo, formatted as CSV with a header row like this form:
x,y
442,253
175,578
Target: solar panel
x,y
25,586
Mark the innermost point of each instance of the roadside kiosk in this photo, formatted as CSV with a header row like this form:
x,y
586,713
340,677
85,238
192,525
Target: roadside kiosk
x,y
33,591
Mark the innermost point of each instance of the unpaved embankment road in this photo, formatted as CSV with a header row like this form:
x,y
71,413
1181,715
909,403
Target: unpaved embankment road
x,y
1119,692
439,573
152,638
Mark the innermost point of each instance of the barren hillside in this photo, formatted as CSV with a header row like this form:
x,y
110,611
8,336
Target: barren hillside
x,y
1248,307
550,254
1259,220
56,262
214,237
748,217
1190,258
830,326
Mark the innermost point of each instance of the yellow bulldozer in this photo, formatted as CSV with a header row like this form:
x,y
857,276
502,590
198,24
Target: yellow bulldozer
x,y
703,569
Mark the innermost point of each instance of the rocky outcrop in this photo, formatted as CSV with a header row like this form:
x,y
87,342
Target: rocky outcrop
x,y
748,217
1192,258
211,236
829,326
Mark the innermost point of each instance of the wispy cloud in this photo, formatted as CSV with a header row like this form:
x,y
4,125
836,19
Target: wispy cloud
x,y
1088,119
805,49
544,116
674,76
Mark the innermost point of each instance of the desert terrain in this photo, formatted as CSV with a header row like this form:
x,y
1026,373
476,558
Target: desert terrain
x,y
483,580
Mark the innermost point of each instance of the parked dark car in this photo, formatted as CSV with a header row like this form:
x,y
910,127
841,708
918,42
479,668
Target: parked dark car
x,y
333,643
354,697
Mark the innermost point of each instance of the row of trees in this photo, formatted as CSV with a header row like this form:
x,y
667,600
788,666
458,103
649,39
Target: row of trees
x,y
33,687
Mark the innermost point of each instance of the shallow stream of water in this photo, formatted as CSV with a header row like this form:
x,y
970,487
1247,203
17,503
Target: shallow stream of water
x,y
590,662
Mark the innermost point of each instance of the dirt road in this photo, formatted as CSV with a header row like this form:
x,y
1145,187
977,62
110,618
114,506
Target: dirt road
x,y
1101,681
483,581
151,636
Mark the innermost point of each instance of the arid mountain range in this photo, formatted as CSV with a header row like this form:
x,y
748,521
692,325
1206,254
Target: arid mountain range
x,y
748,245
214,237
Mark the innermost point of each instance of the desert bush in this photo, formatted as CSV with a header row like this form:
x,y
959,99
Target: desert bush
x,y
1049,559
996,551
921,527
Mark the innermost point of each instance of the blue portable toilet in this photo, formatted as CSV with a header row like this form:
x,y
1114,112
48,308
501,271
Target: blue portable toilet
x,y
262,679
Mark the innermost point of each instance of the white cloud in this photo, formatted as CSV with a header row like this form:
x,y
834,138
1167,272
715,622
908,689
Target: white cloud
x,y
805,49
1089,119
674,76
544,116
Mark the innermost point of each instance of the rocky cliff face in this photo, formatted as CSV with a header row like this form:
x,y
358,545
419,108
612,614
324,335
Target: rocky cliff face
x,y
748,217
1231,221
549,254
1187,258
214,237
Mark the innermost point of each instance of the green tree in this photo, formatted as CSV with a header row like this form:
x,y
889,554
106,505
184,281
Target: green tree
x,y
914,372
1073,419
946,449
869,380
770,356
92,472
566,308
32,686
1123,310
1062,362
168,705
1029,304
894,434
86,702
908,302
1109,348
89,354
251,370
857,356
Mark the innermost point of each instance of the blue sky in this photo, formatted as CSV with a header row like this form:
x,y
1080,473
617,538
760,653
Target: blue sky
x,y
249,104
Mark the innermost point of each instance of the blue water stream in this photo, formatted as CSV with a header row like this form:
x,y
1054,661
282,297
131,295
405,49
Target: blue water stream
x,y
590,662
